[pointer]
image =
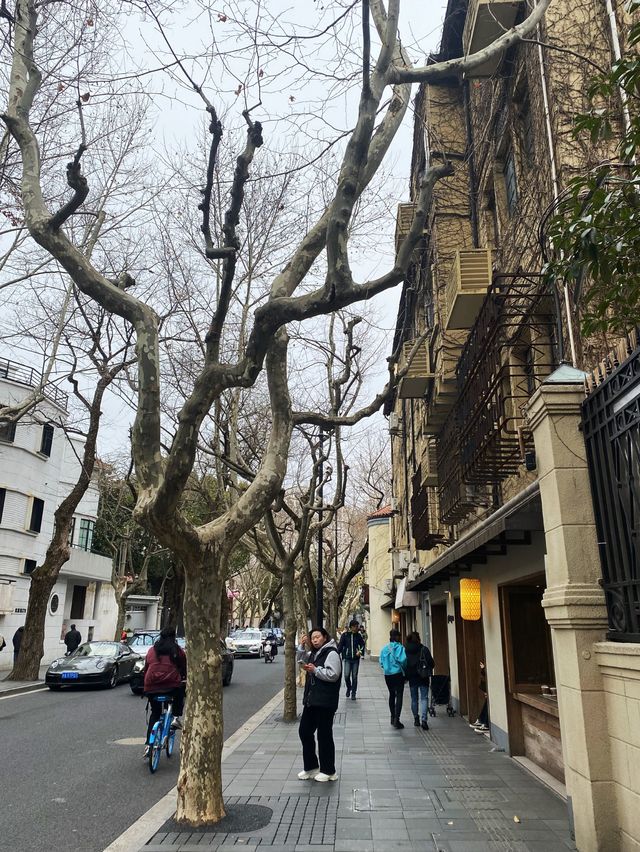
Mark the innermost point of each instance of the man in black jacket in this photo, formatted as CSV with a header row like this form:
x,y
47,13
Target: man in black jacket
x,y
72,639
351,650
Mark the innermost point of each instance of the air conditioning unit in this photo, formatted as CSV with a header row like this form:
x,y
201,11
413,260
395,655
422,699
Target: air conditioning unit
x,y
395,424
401,560
414,570
394,504
387,586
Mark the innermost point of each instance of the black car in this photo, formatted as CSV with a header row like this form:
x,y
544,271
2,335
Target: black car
x,y
102,663
137,680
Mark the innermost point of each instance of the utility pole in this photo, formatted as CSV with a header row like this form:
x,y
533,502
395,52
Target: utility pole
x,y
319,582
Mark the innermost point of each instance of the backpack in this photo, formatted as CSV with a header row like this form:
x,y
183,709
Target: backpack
x,y
423,667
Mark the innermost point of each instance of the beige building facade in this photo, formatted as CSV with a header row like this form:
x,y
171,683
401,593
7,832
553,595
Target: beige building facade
x,y
492,478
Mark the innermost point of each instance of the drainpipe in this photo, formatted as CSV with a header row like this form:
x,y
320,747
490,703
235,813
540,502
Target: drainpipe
x,y
554,180
617,55
472,166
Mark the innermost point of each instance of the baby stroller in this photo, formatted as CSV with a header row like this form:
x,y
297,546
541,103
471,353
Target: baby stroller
x,y
441,694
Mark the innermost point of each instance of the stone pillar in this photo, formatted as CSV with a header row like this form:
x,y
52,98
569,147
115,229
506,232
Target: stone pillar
x,y
574,606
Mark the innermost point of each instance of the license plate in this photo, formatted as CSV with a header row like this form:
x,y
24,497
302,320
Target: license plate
x,y
69,675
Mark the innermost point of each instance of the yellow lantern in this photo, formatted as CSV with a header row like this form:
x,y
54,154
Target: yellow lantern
x,y
470,608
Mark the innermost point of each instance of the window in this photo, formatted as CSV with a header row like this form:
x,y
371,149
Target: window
x,y
7,430
525,131
77,602
510,183
54,603
37,509
85,537
3,494
47,439
29,566
72,529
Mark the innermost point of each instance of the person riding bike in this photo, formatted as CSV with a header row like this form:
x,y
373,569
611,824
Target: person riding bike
x,y
272,640
165,671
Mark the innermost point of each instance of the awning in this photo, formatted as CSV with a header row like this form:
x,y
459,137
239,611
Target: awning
x,y
387,605
403,597
510,525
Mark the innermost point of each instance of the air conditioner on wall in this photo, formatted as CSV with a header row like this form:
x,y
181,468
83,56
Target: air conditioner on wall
x,y
387,586
394,504
394,424
414,570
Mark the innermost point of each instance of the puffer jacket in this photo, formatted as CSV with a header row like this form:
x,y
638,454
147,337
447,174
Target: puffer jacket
x,y
322,687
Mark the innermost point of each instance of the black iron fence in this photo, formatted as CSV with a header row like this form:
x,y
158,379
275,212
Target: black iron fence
x,y
611,423
23,375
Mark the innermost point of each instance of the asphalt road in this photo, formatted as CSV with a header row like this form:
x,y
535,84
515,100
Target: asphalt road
x,y
71,770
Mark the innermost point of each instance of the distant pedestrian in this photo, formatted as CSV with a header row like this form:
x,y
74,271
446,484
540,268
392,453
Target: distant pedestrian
x,y
124,636
72,640
17,642
351,649
393,660
419,670
321,696
481,725
303,653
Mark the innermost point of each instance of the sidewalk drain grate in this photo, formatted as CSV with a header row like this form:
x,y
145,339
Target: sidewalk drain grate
x,y
477,796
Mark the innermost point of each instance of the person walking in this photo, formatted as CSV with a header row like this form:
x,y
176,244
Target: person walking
x,y
17,642
419,671
351,649
320,702
393,661
481,725
72,640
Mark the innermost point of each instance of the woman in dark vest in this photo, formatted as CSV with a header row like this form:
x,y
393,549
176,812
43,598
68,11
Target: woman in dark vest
x,y
321,694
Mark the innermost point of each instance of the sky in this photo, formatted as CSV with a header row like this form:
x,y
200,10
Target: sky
x,y
292,119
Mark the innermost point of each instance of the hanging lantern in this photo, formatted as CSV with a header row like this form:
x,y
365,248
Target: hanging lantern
x,y
470,608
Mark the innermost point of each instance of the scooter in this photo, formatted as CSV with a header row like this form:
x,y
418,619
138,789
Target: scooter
x,y
267,651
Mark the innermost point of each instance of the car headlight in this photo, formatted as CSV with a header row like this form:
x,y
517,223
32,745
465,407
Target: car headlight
x,y
100,664
54,664
138,666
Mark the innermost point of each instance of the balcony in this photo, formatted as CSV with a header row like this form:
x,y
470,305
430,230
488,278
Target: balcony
x,y
414,384
425,523
429,463
85,565
404,219
486,21
467,287
29,377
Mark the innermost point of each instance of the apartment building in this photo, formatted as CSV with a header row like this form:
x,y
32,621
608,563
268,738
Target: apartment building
x,y
494,547
39,464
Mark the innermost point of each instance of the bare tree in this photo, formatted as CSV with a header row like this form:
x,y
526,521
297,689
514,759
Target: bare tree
x,y
163,473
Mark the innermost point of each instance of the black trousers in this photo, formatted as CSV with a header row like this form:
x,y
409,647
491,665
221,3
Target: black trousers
x,y
156,706
395,685
318,719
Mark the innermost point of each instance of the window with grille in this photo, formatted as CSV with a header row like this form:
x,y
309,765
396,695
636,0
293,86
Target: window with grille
x,y
37,510
85,537
47,439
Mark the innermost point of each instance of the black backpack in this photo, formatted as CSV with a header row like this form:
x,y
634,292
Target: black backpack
x,y
425,666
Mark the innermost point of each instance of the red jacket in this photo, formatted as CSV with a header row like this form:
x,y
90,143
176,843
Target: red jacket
x,y
161,673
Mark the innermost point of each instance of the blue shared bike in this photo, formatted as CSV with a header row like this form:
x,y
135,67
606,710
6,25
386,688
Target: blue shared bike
x,y
162,734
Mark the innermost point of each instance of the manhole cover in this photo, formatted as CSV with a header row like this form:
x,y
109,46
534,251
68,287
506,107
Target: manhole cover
x,y
239,818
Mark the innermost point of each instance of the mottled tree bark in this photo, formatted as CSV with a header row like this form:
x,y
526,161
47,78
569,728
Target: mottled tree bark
x,y
290,669
200,781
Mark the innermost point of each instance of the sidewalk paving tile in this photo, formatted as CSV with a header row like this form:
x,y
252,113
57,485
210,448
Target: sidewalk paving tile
x,y
442,789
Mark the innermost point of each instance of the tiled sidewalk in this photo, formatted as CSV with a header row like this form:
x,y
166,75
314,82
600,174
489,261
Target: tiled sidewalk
x,y
442,790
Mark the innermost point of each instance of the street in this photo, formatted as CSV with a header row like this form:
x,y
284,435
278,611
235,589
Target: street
x,y
72,774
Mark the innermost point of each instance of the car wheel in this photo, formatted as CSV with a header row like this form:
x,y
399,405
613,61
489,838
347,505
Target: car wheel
x,y
113,680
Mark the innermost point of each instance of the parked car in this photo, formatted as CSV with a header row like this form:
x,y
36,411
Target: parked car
x,y
105,663
247,643
137,679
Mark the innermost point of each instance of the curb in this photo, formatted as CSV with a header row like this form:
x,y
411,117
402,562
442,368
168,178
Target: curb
x,y
35,686
137,835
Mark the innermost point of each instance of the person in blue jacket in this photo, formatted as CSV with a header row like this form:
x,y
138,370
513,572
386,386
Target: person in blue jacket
x,y
351,650
393,660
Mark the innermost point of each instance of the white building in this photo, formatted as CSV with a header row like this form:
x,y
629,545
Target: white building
x,y
39,464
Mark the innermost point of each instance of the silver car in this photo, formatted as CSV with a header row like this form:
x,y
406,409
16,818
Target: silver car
x,y
246,643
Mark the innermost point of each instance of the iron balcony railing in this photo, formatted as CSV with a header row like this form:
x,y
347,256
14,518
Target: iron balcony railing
x,y
30,377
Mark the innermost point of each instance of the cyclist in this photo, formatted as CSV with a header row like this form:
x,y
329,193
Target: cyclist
x,y
165,670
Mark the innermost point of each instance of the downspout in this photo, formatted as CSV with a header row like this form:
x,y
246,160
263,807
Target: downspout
x,y
554,179
472,166
617,55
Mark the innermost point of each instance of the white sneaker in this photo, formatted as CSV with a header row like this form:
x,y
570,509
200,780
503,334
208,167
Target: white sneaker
x,y
307,776
322,776
482,729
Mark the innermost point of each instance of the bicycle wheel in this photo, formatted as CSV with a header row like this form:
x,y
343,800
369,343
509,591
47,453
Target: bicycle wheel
x,y
170,742
155,746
